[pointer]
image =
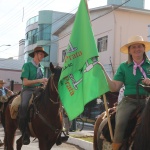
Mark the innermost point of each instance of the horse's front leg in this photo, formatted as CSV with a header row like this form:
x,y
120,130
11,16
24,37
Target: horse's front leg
x,y
19,143
9,141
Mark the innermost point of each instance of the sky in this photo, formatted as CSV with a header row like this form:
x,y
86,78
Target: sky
x,y
15,13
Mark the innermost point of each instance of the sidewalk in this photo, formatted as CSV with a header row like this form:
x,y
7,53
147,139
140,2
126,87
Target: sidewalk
x,y
81,143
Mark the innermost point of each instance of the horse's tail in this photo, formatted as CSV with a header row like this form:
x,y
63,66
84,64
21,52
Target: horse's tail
x,y
143,132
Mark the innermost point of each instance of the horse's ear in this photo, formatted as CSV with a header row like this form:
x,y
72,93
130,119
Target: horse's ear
x,y
52,69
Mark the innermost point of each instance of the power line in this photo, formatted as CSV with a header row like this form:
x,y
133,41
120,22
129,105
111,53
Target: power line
x,y
111,10
51,42
62,17
9,26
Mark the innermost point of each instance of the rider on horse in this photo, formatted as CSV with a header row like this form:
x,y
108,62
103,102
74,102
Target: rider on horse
x,y
128,74
32,77
3,90
4,94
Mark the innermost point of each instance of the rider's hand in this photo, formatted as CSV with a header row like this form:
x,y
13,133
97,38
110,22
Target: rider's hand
x,y
10,93
146,81
43,81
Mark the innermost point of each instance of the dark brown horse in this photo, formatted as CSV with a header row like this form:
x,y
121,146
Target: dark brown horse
x,y
136,136
44,115
142,138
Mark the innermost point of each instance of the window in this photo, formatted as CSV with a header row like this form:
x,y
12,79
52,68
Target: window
x,y
44,32
31,37
102,44
63,55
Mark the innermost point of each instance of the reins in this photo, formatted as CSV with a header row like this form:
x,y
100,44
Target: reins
x,y
44,120
53,85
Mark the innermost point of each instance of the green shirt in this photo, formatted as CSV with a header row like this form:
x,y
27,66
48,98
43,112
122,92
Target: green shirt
x,y
29,71
125,74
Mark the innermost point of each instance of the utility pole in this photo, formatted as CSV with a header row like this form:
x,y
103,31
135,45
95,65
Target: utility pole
x,y
12,85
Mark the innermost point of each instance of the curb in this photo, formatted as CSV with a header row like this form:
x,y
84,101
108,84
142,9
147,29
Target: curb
x,y
81,143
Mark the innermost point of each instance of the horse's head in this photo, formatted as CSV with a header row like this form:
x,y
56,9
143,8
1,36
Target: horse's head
x,y
51,90
56,71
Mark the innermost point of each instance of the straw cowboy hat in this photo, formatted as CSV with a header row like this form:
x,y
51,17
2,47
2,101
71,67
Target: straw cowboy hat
x,y
134,40
2,82
38,49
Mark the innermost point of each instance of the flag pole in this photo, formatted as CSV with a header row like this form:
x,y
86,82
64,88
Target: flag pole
x,y
107,113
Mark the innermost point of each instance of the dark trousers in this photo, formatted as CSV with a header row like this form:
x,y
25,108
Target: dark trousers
x,y
25,98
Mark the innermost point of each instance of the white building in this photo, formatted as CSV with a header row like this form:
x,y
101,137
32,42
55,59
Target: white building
x,y
112,26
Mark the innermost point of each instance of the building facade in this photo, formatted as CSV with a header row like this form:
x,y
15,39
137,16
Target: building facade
x,y
128,3
111,31
39,33
10,71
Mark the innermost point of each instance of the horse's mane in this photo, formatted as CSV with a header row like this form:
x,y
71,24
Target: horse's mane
x,y
143,135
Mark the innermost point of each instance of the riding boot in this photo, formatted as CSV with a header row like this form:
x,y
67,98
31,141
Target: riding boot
x,y
23,129
116,146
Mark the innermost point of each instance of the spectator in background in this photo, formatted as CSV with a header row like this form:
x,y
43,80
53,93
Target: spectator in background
x,y
3,90
4,94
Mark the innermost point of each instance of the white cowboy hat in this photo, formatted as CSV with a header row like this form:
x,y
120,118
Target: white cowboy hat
x,y
134,40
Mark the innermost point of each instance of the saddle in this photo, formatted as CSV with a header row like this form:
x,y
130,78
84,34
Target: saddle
x,y
14,106
131,127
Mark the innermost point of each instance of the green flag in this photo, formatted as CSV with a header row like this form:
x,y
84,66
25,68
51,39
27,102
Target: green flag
x,y
82,79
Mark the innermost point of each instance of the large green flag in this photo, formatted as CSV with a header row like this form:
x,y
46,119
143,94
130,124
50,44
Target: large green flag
x,y
82,79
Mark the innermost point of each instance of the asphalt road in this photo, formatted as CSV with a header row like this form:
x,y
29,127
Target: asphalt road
x,y
34,143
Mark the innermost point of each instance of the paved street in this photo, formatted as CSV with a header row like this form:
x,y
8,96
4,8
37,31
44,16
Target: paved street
x,y
34,144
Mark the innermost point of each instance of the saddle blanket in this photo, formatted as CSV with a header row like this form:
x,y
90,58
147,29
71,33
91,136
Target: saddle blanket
x,y
14,106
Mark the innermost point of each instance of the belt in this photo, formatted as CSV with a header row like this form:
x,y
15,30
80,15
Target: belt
x,y
36,87
135,96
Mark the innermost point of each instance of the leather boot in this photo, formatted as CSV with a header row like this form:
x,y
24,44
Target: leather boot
x,y
116,146
23,129
25,139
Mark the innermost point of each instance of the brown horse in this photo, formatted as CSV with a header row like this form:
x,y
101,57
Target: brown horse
x,y
44,115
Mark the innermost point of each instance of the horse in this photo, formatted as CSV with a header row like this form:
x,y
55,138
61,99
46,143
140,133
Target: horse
x,y
137,132
45,116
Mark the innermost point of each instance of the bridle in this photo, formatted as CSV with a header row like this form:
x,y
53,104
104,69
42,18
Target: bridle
x,y
53,87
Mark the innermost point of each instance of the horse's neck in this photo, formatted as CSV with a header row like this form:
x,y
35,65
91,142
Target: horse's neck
x,y
52,103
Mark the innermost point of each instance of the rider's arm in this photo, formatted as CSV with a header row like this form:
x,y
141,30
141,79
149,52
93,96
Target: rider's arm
x,y
114,85
27,82
9,92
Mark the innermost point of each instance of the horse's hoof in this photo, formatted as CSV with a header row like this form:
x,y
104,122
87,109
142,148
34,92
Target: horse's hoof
x,y
1,144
